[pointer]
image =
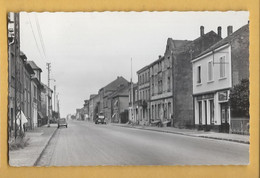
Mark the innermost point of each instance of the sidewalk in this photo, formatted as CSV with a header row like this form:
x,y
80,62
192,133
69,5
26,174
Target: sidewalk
x,y
193,133
38,140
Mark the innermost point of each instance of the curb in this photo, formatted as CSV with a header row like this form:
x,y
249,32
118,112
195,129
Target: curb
x,y
40,155
206,137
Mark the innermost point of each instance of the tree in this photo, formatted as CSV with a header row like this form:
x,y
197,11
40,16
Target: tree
x,y
239,99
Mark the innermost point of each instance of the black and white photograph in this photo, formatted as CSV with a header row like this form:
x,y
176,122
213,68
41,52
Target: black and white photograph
x,y
128,88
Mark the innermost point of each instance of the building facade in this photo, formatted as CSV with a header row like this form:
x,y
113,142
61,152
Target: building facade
x,y
215,72
105,99
183,114
46,104
119,105
92,105
86,110
144,95
36,88
133,103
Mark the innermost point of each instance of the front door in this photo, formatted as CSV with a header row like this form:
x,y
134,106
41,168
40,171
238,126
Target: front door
x,y
224,117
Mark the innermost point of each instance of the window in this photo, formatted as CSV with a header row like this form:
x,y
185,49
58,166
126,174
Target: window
x,y
199,74
222,67
152,89
211,105
169,84
200,112
210,71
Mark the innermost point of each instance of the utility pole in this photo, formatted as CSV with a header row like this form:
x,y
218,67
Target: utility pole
x,y
54,97
58,106
17,71
48,101
132,93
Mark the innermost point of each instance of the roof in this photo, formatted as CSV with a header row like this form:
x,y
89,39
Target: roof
x,y
29,68
123,91
92,96
45,86
22,55
174,44
142,69
226,40
34,66
177,43
114,84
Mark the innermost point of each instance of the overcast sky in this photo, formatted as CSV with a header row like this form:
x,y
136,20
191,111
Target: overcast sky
x,y
89,50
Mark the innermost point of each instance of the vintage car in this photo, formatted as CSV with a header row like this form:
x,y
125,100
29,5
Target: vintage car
x,y
62,122
100,119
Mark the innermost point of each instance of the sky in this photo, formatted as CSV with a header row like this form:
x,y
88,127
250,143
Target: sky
x,y
88,50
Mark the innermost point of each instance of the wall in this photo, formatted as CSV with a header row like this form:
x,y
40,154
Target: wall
x,y
217,83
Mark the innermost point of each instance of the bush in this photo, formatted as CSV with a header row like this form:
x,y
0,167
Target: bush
x,y
239,99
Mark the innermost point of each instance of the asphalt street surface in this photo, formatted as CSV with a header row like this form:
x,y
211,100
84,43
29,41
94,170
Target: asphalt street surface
x,y
83,144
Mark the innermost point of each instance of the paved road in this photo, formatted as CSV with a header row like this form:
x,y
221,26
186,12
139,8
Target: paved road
x,y
85,143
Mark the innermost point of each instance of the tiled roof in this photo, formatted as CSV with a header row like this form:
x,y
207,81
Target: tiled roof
x,y
34,66
114,84
226,40
121,91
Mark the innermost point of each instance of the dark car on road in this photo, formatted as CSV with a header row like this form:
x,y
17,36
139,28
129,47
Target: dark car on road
x,y
62,122
100,119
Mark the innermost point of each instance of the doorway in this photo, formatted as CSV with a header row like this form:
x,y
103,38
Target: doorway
x,y
224,109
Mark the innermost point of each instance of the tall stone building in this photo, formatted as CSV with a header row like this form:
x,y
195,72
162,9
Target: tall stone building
x,y
183,114
161,83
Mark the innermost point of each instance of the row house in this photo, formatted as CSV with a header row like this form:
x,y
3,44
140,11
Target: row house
x,y
215,72
182,109
46,105
165,86
119,104
93,106
24,81
79,114
86,110
36,88
144,95
104,93
133,103
19,88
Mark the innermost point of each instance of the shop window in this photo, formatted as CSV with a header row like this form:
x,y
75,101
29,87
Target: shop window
x,y
211,107
200,112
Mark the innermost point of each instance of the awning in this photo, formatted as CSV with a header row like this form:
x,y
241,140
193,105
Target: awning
x,y
22,117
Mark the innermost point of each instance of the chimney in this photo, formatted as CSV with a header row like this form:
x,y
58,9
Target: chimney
x,y
219,31
229,30
201,30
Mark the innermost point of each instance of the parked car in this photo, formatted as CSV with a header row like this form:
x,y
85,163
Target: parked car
x,y
100,119
62,122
